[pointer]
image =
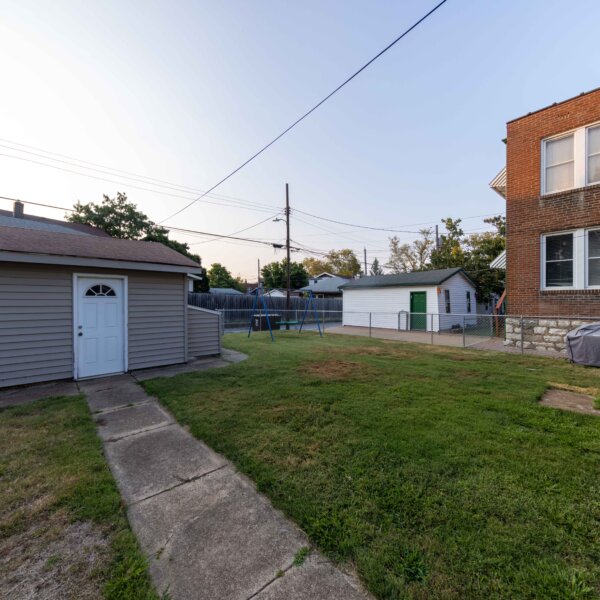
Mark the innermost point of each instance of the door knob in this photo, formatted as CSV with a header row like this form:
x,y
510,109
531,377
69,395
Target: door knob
x,y
80,333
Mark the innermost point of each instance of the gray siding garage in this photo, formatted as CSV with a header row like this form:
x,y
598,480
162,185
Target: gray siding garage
x,y
73,306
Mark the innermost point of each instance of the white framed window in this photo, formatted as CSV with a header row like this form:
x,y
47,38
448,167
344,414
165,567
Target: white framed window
x,y
593,155
593,258
559,164
571,259
447,301
468,301
559,260
571,160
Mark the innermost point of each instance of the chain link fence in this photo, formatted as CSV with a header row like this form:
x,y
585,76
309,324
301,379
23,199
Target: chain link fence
x,y
545,334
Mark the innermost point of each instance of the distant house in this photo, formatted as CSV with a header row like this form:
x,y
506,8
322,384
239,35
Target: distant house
x,y
424,300
77,303
226,291
551,183
326,286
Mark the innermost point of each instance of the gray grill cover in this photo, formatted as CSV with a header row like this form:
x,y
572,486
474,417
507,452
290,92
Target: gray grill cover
x,y
583,344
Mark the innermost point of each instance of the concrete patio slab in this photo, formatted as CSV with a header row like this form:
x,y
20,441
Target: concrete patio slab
x,y
103,383
172,370
316,579
115,424
214,538
124,395
158,460
31,393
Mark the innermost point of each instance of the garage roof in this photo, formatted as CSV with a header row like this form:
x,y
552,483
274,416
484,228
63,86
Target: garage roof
x,y
36,243
414,279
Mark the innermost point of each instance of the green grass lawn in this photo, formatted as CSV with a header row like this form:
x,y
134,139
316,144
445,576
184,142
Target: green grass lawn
x,y
433,472
63,531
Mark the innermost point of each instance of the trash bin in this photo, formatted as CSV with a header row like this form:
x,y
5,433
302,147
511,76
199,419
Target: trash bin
x,y
259,322
583,344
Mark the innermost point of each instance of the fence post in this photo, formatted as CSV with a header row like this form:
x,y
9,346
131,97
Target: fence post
x,y
369,324
464,331
522,337
431,328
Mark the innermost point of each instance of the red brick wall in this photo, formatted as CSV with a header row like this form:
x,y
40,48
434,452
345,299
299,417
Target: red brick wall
x,y
529,214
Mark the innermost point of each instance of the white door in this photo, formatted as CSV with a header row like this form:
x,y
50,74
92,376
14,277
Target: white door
x,y
99,326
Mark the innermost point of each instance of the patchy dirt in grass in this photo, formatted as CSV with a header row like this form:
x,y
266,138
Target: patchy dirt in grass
x,y
568,400
339,370
54,560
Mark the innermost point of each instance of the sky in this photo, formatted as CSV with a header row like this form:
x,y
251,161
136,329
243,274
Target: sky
x,y
184,92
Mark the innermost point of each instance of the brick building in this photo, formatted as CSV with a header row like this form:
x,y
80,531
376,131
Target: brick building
x,y
552,190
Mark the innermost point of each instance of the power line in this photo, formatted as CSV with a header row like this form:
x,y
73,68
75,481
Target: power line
x,y
121,172
137,187
36,203
239,231
309,112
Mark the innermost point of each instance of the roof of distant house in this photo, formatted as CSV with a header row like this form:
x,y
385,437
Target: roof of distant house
x,y
326,285
26,221
226,291
414,279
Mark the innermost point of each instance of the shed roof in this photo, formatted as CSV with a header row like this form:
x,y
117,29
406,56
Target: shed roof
x,y
226,291
36,242
414,279
326,285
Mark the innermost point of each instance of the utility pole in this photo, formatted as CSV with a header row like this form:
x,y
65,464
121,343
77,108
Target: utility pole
x,y
258,285
287,247
437,237
365,251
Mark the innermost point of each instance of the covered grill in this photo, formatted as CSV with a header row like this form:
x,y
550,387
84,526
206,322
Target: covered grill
x,y
583,344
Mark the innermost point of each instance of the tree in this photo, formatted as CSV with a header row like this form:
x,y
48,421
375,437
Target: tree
x,y
483,249
343,263
275,275
450,252
122,219
406,258
314,266
220,277
375,268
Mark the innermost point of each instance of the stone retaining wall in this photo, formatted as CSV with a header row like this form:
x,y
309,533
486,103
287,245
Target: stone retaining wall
x,y
540,334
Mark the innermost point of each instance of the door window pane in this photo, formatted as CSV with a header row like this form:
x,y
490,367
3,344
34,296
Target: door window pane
x,y
559,164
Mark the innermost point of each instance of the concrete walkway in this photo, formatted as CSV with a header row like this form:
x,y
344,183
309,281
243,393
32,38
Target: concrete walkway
x,y
207,532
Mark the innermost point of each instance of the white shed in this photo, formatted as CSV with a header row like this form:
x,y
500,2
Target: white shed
x,y
424,300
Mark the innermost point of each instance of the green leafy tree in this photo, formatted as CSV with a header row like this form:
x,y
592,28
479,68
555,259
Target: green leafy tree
x,y
275,275
315,266
220,277
406,258
375,268
343,262
121,219
451,249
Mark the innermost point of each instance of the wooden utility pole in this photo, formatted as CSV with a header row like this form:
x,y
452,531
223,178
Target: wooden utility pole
x,y
366,272
437,237
287,247
258,284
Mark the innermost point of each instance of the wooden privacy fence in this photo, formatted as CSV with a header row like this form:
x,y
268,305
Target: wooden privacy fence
x,y
237,309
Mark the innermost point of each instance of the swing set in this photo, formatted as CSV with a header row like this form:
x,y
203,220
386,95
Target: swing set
x,y
260,297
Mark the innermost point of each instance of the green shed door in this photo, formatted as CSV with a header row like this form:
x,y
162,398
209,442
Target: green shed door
x,y
418,308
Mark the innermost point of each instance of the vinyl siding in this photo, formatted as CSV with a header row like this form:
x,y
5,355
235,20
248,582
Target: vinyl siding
x,y
156,319
36,320
204,332
458,287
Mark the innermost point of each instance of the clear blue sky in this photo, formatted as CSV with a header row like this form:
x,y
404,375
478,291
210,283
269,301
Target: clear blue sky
x,y
185,91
